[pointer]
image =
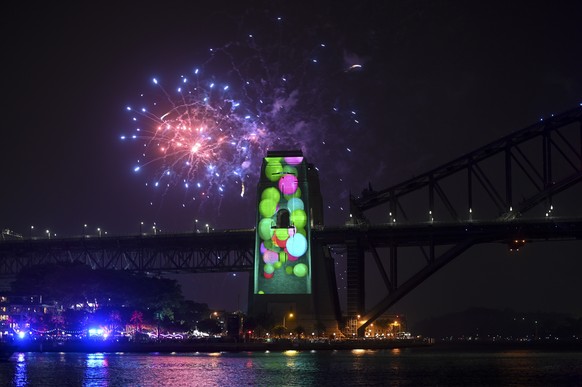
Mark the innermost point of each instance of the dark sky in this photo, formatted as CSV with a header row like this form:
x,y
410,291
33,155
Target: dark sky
x,y
438,79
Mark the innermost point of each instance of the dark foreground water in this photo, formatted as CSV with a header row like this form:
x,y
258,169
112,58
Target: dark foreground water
x,y
405,367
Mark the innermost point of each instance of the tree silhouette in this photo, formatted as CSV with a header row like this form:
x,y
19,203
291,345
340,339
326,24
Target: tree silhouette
x,y
137,320
210,326
319,328
279,330
73,284
299,330
58,321
114,319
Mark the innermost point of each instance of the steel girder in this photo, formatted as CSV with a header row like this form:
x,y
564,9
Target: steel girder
x,y
208,253
505,178
502,181
228,251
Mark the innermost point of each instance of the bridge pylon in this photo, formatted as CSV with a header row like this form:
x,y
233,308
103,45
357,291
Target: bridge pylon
x,y
293,281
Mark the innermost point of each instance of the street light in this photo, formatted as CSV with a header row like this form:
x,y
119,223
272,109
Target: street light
x,y
48,233
99,231
31,228
395,325
290,316
207,228
84,230
196,225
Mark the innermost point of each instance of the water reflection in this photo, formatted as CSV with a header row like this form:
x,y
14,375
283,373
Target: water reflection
x,y
96,360
96,370
20,376
354,368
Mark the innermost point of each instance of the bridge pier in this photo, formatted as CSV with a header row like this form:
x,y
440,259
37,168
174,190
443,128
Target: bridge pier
x,y
293,276
356,296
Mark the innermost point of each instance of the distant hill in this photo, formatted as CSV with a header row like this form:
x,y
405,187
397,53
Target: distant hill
x,y
506,324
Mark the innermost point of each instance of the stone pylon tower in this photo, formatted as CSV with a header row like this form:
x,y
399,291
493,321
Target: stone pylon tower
x,y
294,279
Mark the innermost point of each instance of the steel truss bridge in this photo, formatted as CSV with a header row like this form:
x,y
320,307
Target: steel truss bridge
x,y
508,191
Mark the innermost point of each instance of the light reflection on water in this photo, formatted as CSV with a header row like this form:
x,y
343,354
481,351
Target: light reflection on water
x,y
97,368
295,368
20,374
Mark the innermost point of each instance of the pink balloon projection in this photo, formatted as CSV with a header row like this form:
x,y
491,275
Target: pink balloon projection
x,y
270,257
288,184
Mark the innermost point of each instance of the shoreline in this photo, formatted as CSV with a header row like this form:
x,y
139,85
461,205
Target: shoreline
x,y
499,345
211,346
214,346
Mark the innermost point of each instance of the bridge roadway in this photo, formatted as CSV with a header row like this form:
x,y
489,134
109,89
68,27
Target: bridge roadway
x,y
233,250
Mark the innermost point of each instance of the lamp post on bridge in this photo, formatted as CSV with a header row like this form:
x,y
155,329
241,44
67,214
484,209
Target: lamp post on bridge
x,y
284,316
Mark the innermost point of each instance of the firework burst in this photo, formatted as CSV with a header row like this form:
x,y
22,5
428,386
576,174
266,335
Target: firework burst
x,y
209,133
202,139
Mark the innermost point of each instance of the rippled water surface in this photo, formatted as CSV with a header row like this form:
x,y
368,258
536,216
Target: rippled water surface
x,y
408,367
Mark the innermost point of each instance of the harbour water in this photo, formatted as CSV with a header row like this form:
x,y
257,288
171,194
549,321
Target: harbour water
x,y
395,367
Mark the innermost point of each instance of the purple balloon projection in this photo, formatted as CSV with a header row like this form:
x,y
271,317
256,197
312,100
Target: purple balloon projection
x,y
295,160
270,256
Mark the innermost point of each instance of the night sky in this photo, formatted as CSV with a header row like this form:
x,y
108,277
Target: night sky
x,y
371,91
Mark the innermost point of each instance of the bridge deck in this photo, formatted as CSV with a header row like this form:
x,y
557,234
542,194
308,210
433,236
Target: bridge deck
x,y
233,250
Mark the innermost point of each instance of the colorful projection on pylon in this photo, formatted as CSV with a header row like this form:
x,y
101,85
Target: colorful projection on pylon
x,y
282,254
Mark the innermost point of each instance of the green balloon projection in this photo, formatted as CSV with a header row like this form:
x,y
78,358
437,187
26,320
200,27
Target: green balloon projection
x,y
282,233
273,171
283,257
265,230
271,193
300,270
267,208
299,218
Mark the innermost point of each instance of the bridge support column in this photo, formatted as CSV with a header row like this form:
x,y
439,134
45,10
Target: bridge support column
x,y
355,279
292,276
